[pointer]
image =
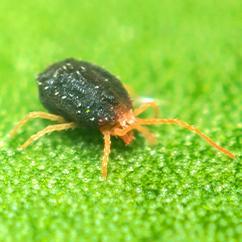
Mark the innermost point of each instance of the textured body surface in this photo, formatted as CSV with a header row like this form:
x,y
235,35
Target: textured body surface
x,y
82,92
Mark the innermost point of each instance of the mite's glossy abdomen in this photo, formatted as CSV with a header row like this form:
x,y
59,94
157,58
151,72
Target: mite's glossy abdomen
x,y
83,93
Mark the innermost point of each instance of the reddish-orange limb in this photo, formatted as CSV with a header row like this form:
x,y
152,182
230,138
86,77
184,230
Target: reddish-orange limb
x,y
125,133
122,131
48,129
34,115
147,134
106,152
128,138
145,106
186,126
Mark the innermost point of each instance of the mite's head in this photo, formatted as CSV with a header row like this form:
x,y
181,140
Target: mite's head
x,y
124,121
125,118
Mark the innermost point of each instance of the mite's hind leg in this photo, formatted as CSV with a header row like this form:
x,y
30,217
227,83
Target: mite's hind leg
x,y
34,115
145,106
48,129
106,152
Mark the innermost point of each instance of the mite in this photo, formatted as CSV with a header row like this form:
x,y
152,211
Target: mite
x,y
80,94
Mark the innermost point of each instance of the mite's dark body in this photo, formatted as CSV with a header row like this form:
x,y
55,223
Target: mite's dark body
x,y
83,93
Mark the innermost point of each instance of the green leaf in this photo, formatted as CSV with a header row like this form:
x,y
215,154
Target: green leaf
x,y
184,54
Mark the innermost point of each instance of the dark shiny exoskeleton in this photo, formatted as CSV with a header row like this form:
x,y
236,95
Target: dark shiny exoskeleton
x,y
83,93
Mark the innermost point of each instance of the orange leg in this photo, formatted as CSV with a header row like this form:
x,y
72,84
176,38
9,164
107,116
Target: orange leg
x,y
106,152
33,115
128,138
123,133
145,106
48,129
186,126
147,134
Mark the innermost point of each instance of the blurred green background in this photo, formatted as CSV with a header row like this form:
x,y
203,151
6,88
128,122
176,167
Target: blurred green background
x,y
185,54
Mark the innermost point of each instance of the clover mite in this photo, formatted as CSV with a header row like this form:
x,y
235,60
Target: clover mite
x,y
81,94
